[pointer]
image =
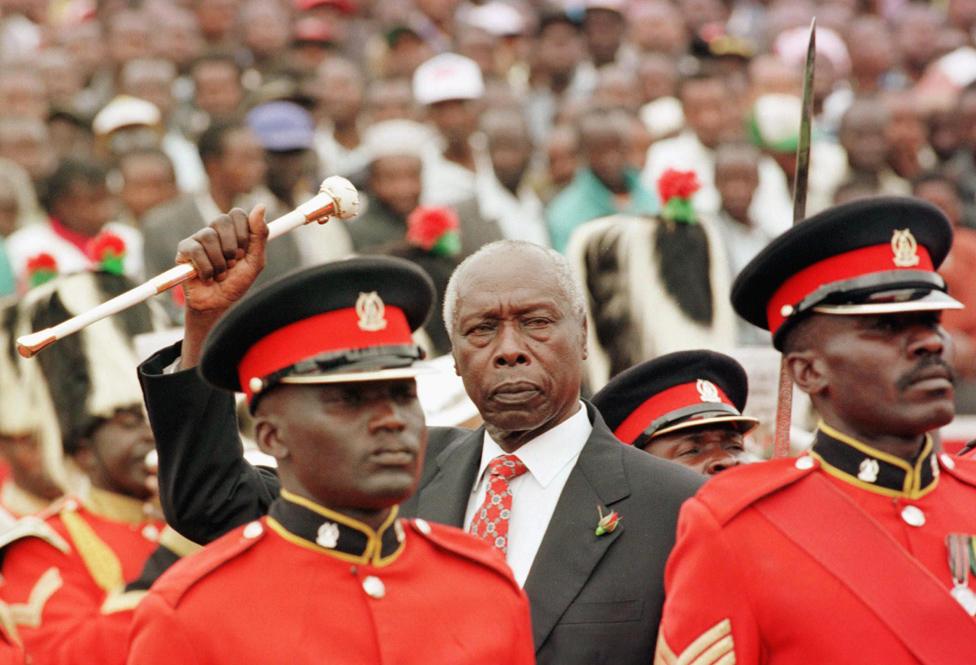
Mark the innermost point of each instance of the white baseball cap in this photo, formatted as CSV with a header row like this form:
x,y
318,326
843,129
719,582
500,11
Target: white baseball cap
x,y
447,76
497,18
125,111
397,137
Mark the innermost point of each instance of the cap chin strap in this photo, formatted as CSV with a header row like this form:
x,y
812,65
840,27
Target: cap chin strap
x,y
860,289
350,360
868,294
672,417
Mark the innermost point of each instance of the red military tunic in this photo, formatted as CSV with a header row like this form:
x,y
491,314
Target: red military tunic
x,y
743,588
307,585
11,652
64,577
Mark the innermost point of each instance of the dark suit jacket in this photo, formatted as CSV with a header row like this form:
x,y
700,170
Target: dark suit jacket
x,y
166,225
594,599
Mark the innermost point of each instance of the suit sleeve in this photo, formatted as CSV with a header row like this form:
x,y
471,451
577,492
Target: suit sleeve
x,y
158,637
206,486
707,618
58,610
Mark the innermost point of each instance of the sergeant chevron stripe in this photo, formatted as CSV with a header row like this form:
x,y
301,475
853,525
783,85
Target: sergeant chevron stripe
x,y
713,647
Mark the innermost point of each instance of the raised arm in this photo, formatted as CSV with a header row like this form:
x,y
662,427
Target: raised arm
x,y
206,486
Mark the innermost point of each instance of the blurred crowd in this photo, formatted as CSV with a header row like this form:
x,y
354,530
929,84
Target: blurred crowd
x,y
644,151
126,126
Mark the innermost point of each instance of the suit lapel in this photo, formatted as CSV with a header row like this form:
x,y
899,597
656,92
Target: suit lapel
x,y
570,550
444,498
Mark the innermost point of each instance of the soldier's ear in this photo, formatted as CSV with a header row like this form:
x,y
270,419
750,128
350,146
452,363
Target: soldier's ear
x,y
807,370
267,434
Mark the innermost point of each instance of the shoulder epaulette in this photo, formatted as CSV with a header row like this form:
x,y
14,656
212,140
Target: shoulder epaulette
x,y
33,526
734,490
185,573
962,468
463,544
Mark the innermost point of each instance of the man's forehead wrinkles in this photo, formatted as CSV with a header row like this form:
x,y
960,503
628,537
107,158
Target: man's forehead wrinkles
x,y
498,305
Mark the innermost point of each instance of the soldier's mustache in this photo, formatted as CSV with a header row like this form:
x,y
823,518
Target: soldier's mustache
x,y
922,368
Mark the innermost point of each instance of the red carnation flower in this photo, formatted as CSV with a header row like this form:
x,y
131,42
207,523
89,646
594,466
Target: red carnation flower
x,y
42,261
41,268
434,229
105,243
677,184
108,251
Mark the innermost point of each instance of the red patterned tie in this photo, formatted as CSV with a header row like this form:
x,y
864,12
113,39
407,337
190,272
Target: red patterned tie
x,y
490,521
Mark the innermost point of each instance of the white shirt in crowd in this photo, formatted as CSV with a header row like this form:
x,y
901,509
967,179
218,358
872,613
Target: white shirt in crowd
x,y
190,176
335,158
550,458
772,206
446,183
519,217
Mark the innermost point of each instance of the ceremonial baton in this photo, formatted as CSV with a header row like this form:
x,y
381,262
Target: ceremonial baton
x,y
337,197
784,402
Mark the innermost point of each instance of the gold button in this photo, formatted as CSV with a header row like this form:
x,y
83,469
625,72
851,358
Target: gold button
x,y
253,530
805,462
913,516
374,587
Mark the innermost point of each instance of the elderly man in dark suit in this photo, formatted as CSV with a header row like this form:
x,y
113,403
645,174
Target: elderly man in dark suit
x,y
585,522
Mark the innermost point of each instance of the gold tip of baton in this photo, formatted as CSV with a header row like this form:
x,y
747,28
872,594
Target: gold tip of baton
x,y
29,350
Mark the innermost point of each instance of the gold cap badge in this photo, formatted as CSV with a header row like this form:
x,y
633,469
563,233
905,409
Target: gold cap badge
x,y
371,312
707,391
905,248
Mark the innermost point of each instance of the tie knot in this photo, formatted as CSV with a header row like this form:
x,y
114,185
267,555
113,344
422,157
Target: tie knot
x,y
507,466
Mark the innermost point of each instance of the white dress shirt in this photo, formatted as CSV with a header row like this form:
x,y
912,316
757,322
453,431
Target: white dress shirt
x,y
550,458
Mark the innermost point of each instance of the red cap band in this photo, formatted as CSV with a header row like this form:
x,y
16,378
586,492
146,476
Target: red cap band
x,y
661,404
849,265
338,330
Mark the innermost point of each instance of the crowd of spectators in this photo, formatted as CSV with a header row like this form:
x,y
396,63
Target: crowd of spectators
x,y
493,119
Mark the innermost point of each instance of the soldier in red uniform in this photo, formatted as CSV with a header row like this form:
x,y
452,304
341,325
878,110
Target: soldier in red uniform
x,y
859,551
28,489
325,358
684,406
65,570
